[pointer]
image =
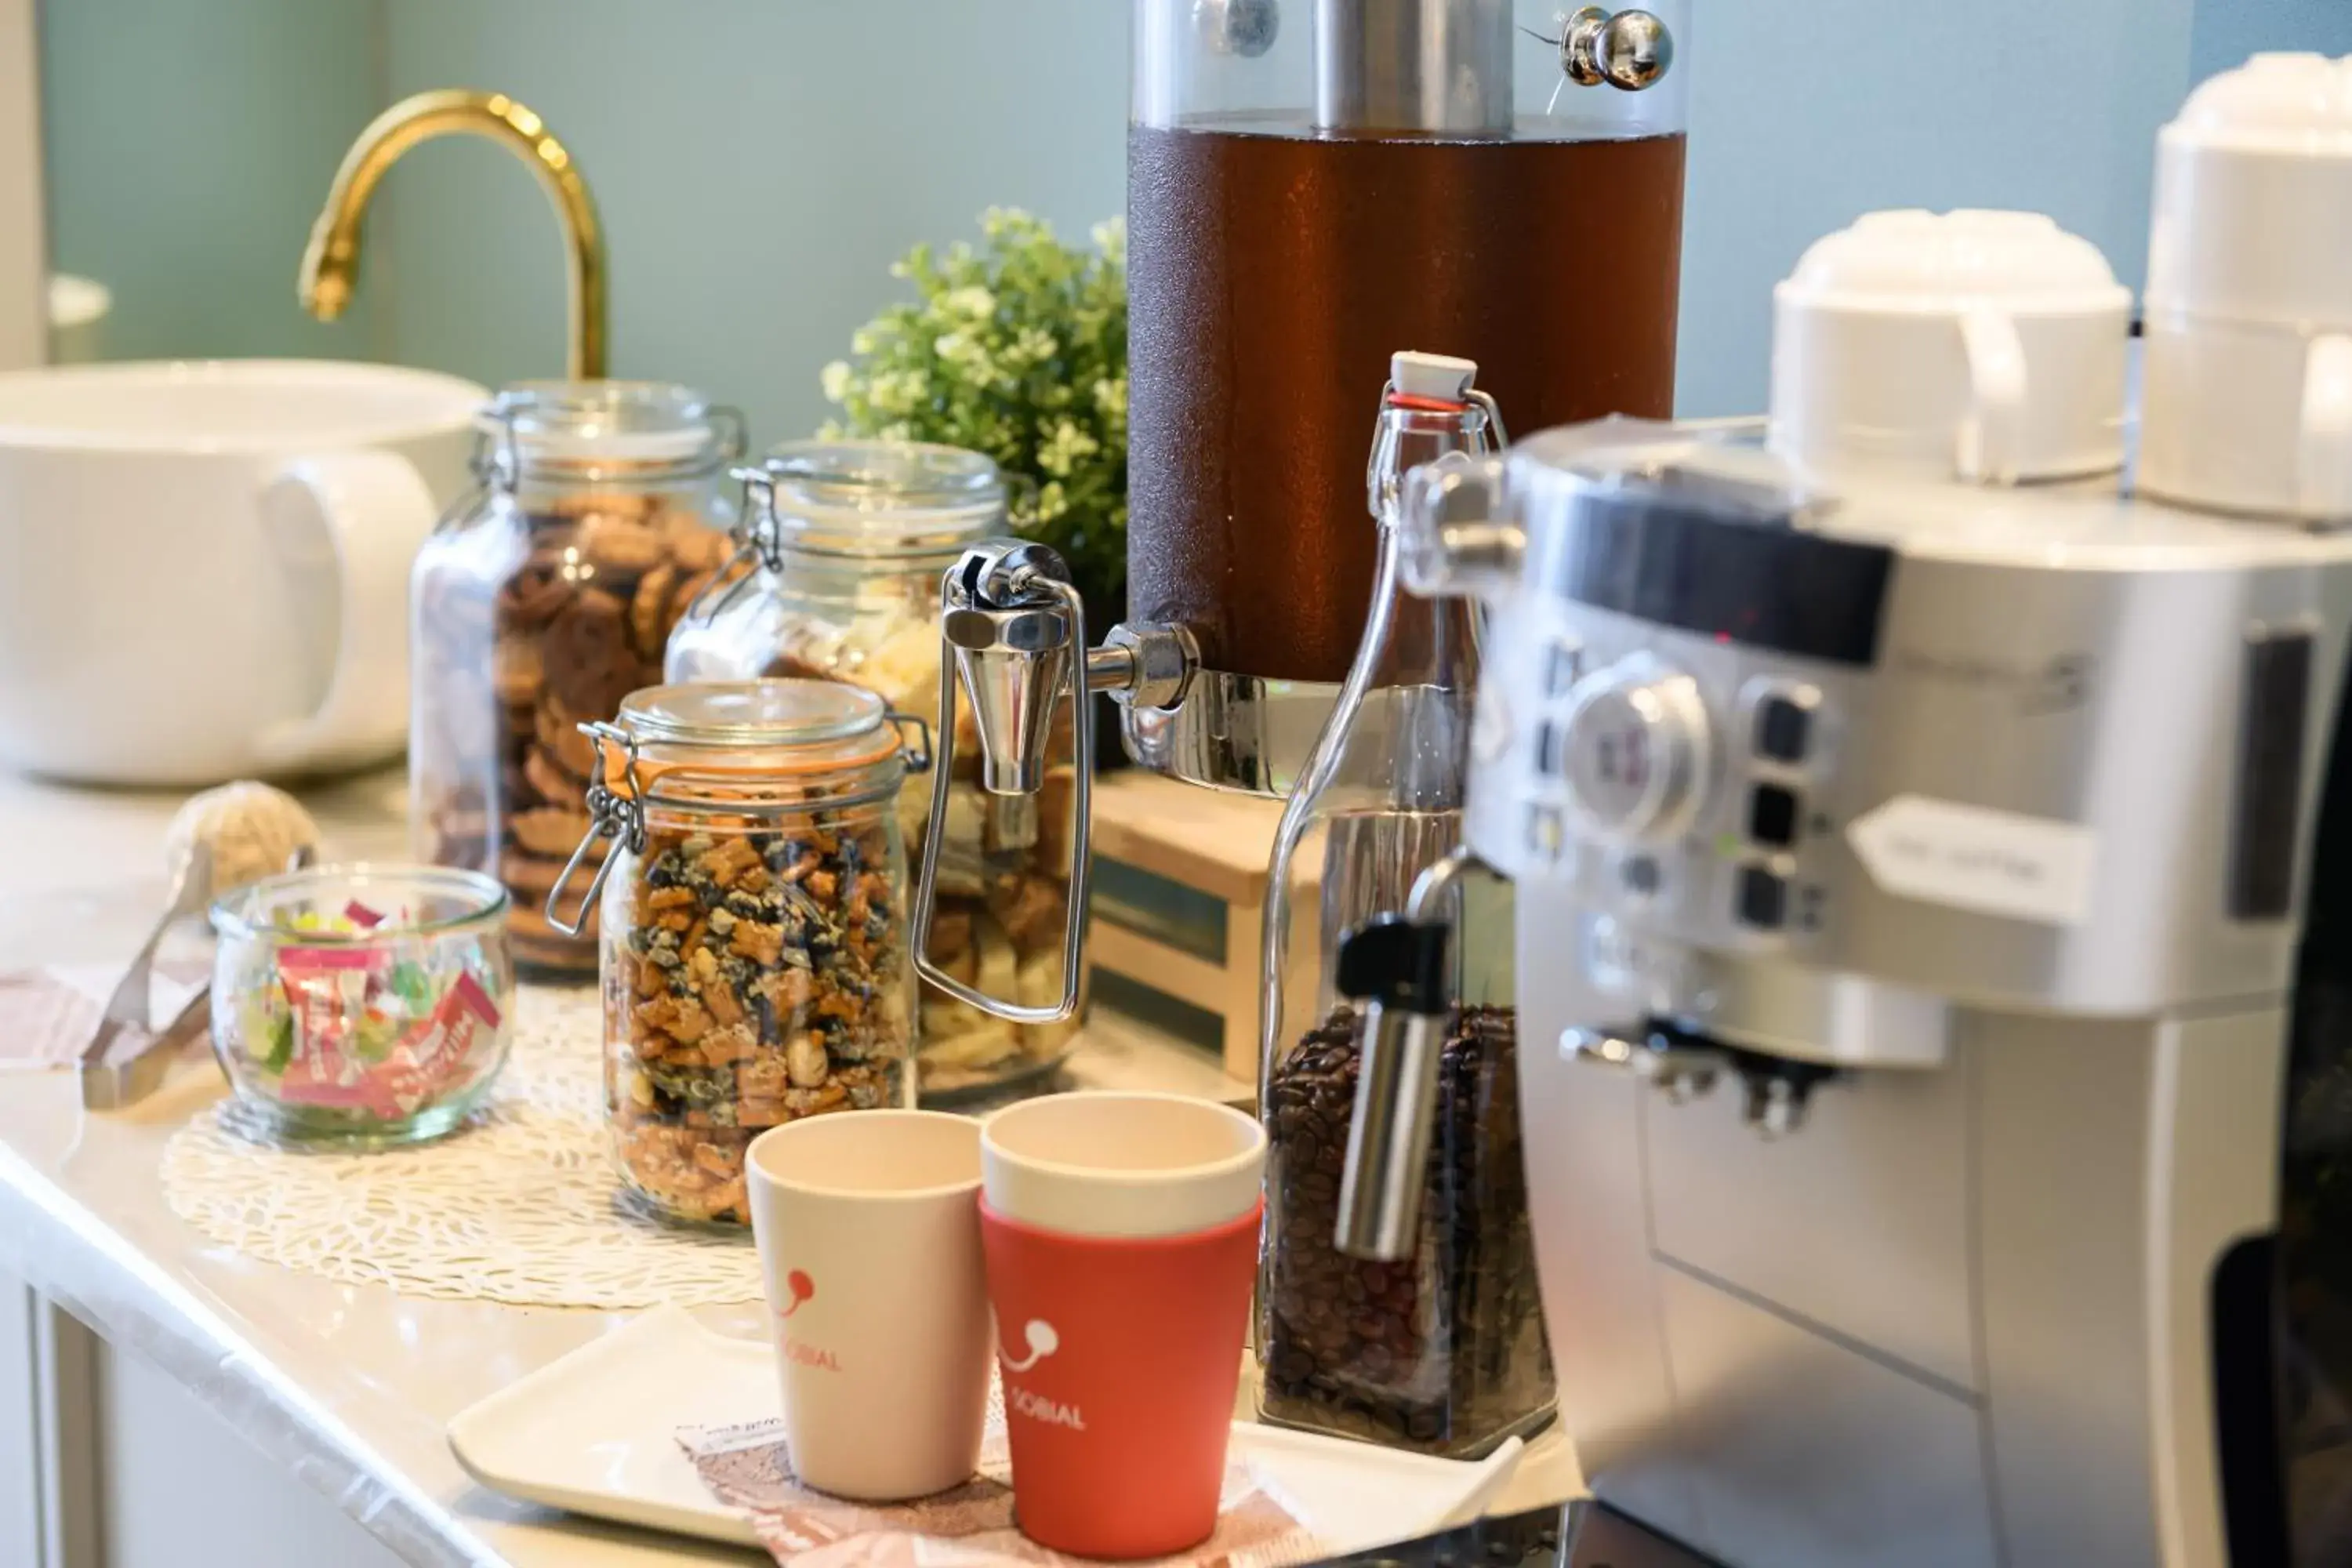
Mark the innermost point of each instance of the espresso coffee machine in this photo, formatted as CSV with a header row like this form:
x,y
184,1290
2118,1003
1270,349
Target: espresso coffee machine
x,y
1312,185
1935,893
1906,887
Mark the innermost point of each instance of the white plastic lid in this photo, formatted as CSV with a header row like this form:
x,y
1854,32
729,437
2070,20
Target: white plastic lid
x,y
2297,105
2249,297
1982,346
1910,259
1440,377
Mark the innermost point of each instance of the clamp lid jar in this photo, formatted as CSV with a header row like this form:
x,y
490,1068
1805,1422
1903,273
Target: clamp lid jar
x,y
754,948
540,602
848,541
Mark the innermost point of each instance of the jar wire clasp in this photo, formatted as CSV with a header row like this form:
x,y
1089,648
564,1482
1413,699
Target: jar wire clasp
x,y
759,538
915,753
612,813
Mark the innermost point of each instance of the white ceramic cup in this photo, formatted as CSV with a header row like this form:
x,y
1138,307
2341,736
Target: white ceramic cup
x,y
1989,347
2247,400
203,567
868,1229
1132,1166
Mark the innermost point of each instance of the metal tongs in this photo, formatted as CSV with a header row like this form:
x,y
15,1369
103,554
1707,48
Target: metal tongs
x,y
110,1084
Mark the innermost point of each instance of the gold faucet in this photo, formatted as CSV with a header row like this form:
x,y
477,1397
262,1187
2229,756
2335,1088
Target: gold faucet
x,y
331,261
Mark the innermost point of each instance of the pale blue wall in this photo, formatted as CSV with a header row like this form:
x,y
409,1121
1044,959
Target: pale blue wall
x,y
188,143
760,164
1806,116
759,161
2226,31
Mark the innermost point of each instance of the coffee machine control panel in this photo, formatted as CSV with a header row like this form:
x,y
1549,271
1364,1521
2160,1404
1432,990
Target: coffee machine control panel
x,y
1678,782
1909,737
1632,747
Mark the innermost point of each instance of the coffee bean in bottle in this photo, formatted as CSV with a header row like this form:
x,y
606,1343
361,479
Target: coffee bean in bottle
x,y
1442,1351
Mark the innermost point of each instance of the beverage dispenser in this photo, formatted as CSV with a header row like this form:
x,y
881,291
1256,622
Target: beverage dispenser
x,y
1311,187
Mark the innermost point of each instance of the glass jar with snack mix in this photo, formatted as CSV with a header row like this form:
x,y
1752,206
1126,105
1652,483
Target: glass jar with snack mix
x,y
541,601
753,959
843,543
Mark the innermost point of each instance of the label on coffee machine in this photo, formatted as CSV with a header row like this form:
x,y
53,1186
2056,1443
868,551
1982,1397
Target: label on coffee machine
x,y
1975,857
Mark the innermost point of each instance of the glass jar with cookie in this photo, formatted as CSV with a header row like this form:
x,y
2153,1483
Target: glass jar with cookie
x,y
754,962
843,543
542,600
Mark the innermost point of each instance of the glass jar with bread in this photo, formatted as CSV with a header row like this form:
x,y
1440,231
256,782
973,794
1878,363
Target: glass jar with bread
x,y
843,543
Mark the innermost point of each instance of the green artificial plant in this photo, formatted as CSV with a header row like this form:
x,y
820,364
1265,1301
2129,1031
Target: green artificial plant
x,y
1017,348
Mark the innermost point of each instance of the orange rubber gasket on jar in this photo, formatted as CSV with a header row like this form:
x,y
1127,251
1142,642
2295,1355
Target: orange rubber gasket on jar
x,y
776,763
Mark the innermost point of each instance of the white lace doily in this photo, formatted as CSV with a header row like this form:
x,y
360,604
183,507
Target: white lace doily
x,y
522,1207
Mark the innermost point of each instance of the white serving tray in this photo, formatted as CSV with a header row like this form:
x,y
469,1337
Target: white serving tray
x,y
594,1433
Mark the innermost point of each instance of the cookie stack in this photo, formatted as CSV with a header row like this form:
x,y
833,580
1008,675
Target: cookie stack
x,y
600,575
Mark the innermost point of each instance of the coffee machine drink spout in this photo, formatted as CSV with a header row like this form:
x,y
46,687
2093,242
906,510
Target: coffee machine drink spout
x,y
1011,631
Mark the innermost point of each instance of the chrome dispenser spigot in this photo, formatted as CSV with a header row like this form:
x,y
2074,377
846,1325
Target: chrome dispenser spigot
x,y
1012,630
1011,620
1399,971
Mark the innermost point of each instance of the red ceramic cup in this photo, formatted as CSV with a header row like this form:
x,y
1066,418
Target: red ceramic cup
x,y
1120,1231
1121,1357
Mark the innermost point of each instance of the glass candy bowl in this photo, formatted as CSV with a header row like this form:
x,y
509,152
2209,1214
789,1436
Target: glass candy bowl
x,y
361,1004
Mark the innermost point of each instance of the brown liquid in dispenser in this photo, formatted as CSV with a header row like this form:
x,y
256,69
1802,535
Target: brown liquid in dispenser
x,y
1270,278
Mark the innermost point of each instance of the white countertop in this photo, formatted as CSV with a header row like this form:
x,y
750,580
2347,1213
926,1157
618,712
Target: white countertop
x,y
348,1387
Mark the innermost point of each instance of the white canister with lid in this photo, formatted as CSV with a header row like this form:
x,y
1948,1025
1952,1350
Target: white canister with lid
x,y
1985,346
2248,400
